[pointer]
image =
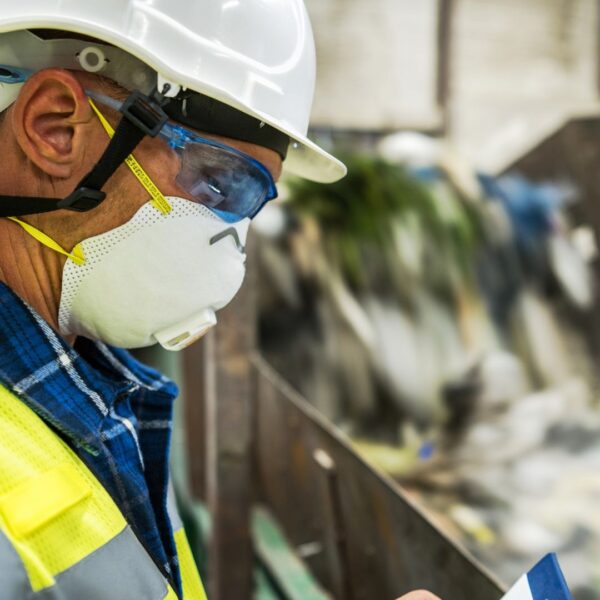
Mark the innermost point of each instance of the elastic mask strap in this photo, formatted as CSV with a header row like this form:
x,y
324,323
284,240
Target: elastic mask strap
x,y
158,200
76,255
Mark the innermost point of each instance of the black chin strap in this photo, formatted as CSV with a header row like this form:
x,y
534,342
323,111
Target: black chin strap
x,y
142,116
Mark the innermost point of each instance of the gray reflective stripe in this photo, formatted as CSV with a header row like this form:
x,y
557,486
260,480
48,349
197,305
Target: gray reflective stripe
x,y
121,569
14,583
172,508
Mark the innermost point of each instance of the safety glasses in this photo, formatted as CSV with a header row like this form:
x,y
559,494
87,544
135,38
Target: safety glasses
x,y
233,185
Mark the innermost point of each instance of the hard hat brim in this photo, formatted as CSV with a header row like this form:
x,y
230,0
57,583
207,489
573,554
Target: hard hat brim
x,y
304,159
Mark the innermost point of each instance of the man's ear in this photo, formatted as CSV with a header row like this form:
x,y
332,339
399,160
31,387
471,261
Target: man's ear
x,y
48,120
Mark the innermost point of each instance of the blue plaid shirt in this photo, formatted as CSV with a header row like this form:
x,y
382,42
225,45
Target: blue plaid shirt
x,y
114,412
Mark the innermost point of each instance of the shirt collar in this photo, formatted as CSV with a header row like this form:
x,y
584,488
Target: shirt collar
x,y
72,389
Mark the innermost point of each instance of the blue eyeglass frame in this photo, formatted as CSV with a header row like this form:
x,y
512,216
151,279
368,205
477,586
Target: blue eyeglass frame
x,y
177,136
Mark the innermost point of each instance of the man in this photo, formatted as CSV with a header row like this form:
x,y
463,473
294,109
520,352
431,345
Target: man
x,y
138,140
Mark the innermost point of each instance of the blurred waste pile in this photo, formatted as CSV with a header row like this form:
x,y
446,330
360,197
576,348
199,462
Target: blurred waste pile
x,y
439,317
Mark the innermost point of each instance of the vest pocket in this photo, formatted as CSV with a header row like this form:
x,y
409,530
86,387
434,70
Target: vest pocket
x,y
42,499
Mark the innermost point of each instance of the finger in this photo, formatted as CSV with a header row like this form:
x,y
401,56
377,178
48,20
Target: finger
x,y
419,595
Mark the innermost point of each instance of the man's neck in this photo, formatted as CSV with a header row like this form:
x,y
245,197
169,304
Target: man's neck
x,y
31,270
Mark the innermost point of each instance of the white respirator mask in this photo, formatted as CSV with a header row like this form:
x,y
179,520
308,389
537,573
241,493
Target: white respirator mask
x,y
156,278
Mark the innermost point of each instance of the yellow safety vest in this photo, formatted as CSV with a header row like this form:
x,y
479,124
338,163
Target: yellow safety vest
x,y
61,534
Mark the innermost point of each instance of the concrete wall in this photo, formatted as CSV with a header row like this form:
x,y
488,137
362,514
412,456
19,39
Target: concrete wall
x,y
518,69
376,63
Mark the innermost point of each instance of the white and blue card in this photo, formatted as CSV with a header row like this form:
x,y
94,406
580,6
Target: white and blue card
x,y
544,582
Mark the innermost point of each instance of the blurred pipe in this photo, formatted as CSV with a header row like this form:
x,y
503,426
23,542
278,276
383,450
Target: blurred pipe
x,y
329,469
598,44
228,421
444,60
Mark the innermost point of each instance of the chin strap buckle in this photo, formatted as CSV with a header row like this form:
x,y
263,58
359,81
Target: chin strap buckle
x,y
82,199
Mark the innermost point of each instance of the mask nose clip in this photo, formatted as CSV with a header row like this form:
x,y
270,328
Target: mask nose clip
x,y
230,231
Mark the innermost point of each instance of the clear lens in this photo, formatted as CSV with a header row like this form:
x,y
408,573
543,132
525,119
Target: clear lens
x,y
227,183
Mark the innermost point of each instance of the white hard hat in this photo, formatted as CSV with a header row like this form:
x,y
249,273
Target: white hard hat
x,y
255,56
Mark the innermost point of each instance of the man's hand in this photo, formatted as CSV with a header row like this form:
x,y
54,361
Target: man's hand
x,y
419,595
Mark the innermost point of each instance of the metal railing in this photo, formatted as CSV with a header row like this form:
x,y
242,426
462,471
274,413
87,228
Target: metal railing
x,y
251,438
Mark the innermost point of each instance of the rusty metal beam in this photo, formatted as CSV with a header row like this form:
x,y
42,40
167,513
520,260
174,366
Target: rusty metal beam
x,y
228,396
195,418
389,545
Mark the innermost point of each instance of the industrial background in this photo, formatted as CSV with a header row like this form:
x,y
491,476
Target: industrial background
x,y
406,393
